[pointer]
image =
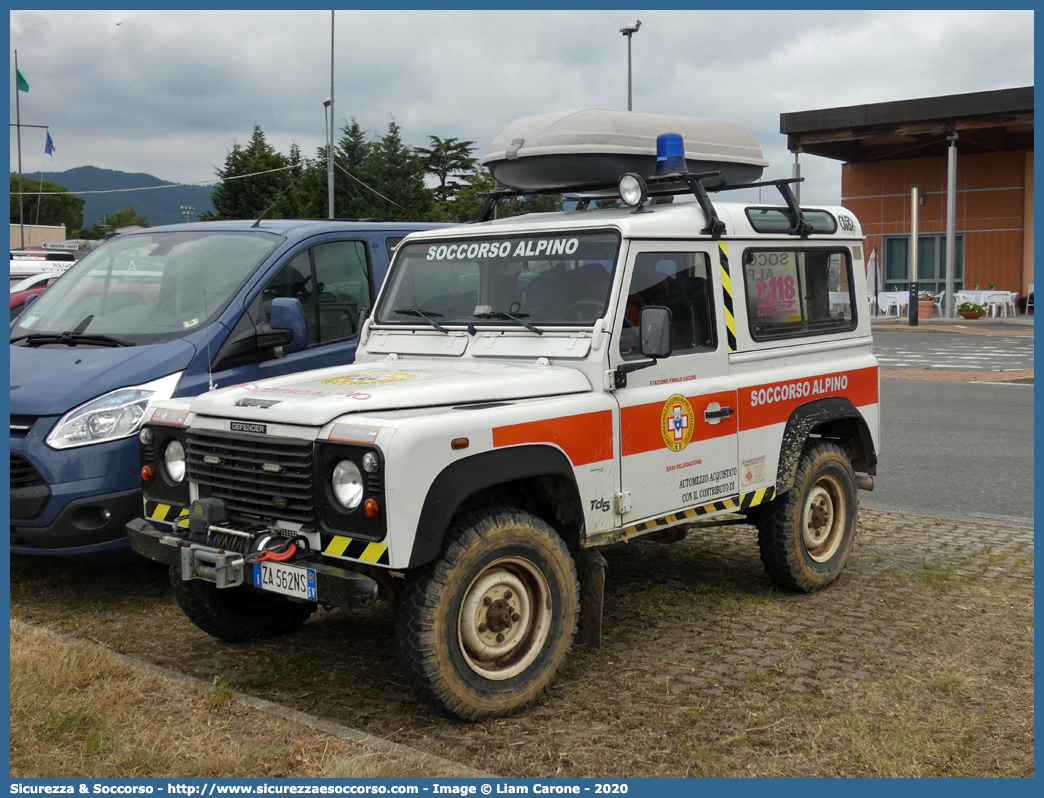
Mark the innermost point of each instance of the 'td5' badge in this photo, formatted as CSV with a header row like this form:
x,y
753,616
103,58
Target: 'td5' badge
x,y
676,423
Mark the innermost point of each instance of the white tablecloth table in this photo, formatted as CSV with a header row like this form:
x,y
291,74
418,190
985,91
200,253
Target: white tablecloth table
x,y
885,298
980,296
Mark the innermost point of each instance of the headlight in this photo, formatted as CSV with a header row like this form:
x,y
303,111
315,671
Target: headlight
x,y
174,460
112,416
347,484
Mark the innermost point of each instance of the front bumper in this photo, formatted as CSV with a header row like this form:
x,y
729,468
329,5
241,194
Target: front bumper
x,y
90,525
334,585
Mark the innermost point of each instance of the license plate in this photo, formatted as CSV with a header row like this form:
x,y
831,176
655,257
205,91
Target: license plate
x,y
286,579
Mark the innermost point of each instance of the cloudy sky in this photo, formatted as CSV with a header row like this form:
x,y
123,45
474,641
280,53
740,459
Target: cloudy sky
x,y
169,92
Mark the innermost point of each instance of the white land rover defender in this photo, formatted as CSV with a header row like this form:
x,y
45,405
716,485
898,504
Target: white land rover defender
x,y
528,390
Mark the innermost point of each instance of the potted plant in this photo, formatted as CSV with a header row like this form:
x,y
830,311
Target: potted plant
x,y
925,303
970,310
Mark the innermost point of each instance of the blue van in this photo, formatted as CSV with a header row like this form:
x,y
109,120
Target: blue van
x,y
162,312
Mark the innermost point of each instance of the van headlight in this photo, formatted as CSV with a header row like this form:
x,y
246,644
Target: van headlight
x,y
347,484
115,415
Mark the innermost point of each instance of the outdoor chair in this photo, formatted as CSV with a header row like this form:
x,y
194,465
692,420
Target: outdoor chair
x,y
997,304
1029,300
939,303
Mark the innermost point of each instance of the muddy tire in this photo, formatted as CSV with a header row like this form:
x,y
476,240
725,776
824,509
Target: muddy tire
x,y
238,614
482,630
806,534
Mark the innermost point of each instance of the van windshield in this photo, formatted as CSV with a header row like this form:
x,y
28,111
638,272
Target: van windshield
x,y
555,279
148,288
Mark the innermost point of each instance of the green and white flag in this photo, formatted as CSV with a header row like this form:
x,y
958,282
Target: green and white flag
x,y
23,84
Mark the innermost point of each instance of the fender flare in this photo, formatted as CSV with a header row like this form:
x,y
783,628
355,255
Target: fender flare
x,y
807,417
465,477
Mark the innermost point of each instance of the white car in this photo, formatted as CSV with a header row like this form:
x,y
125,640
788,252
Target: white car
x,y
527,391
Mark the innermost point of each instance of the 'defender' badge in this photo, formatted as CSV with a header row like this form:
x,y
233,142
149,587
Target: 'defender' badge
x,y
676,423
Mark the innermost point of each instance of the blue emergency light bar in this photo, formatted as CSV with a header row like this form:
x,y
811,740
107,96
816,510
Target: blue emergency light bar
x,y
670,153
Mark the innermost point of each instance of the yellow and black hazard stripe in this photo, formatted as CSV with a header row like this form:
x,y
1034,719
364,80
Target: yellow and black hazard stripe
x,y
362,550
695,512
726,285
166,513
748,500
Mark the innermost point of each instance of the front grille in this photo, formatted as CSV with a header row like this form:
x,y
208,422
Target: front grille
x,y
235,474
20,425
22,473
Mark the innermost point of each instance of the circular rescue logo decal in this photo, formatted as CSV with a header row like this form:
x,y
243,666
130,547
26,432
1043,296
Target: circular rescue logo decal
x,y
676,423
369,379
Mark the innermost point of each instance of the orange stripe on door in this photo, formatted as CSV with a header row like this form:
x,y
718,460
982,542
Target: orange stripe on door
x,y
642,423
772,403
585,438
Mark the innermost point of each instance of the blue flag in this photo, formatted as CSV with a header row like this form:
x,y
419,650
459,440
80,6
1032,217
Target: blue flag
x,y
49,149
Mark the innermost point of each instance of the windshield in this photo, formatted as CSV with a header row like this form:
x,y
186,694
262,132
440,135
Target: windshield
x,y
148,288
561,278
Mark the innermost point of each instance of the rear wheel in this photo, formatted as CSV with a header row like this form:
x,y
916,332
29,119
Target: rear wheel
x,y
238,614
806,535
482,630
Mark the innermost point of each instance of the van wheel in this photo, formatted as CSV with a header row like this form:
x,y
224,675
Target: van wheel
x,y
806,535
482,630
238,614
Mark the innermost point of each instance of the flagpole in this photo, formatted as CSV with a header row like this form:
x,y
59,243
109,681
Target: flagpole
x,y
18,127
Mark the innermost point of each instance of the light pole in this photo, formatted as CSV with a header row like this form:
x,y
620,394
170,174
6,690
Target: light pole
x,y
327,119
629,32
330,104
187,211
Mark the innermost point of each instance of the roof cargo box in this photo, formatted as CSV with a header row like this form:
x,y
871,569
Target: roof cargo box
x,y
594,146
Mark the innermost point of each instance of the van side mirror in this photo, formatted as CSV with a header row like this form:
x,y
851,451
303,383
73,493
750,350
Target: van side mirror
x,y
287,316
655,322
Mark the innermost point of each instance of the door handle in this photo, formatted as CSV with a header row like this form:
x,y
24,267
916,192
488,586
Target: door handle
x,y
724,412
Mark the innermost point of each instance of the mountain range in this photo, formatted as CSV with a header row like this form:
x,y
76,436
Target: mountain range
x,y
158,205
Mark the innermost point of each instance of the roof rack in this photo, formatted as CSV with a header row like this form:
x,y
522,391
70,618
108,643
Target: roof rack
x,y
666,185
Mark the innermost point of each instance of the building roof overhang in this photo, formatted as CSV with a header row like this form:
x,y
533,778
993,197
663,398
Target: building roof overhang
x,y
986,121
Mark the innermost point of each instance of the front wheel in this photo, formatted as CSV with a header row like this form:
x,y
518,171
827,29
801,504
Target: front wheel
x,y
806,535
482,630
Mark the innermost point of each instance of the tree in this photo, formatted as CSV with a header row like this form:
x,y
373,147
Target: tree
x,y
100,230
62,208
468,203
446,159
241,197
380,179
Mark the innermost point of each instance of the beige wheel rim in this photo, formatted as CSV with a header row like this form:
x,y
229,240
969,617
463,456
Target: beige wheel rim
x,y
823,521
505,618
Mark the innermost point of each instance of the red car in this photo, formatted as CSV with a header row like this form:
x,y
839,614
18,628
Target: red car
x,y
33,286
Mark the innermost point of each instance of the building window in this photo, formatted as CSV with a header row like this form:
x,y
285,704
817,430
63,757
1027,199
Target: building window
x,y
931,263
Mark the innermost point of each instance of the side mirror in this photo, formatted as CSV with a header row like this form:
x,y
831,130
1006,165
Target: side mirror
x,y
29,300
286,314
655,324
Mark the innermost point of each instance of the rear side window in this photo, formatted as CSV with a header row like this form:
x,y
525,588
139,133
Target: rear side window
x,y
795,292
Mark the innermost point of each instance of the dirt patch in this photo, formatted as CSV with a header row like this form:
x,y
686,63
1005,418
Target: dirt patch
x,y
917,662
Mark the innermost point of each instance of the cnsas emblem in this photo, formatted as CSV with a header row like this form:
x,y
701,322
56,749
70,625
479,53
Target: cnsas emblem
x,y
370,379
676,423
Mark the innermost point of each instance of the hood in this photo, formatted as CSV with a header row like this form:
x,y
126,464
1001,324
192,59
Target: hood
x,y
317,397
51,381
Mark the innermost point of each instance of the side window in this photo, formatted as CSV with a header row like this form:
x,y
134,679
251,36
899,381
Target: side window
x,y
294,280
798,292
332,281
679,281
344,287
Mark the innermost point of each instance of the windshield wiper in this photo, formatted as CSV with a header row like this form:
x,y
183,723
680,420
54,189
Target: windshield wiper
x,y
500,314
428,318
70,339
